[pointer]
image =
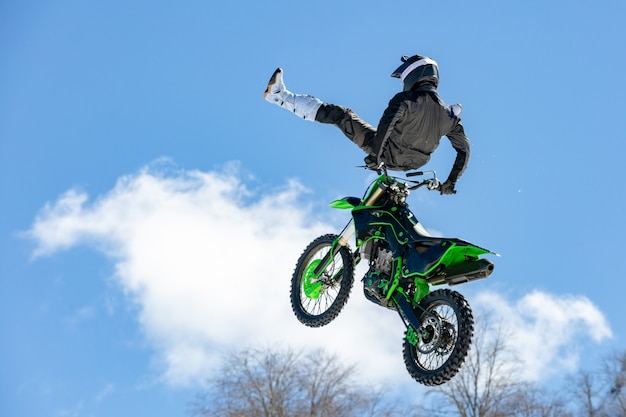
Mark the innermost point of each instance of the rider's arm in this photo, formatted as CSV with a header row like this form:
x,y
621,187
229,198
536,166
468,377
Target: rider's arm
x,y
462,146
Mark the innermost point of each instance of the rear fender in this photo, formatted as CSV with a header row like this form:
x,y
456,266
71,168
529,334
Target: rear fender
x,y
461,250
461,263
432,254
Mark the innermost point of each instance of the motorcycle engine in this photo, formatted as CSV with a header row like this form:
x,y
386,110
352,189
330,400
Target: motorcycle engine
x,y
378,275
382,261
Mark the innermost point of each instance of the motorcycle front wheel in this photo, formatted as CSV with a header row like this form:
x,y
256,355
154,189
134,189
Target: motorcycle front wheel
x,y
317,300
442,341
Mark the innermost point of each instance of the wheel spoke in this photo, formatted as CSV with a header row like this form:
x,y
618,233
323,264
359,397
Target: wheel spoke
x,y
438,352
329,291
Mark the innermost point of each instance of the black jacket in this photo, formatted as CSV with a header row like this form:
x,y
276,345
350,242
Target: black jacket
x,y
411,128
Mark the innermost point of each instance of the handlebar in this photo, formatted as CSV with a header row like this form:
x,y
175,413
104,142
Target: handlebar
x,y
432,183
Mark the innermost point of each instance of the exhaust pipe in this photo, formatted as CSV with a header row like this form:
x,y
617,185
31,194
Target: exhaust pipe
x,y
464,272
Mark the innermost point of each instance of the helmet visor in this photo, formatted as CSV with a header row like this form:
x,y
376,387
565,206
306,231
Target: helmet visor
x,y
406,61
409,64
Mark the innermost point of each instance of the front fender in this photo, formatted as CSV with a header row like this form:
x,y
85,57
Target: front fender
x,y
346,203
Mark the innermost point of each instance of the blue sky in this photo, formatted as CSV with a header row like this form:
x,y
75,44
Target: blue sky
x,y
153,205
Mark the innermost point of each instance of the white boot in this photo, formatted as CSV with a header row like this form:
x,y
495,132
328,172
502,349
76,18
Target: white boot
x,y
301,105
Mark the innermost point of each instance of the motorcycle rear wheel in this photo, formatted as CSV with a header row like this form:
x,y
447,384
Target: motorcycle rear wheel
x,y
316,302
443,341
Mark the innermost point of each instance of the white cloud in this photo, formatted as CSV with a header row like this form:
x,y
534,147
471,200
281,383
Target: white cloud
x,y
208,262
546,331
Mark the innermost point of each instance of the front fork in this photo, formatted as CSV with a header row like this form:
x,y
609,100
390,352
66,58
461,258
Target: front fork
x,y
340,242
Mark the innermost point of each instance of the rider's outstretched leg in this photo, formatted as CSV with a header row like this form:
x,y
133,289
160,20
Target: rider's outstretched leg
x,y
313,109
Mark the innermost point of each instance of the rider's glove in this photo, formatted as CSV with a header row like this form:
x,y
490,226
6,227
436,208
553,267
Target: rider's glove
x,y
371,162
447,188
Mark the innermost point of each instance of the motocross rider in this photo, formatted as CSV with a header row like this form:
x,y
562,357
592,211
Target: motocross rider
x,y
410,128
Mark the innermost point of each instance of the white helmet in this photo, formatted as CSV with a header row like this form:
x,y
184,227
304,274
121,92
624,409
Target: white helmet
x,y
417,70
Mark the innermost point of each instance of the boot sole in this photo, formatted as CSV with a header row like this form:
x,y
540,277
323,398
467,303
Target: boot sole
x,y
271,83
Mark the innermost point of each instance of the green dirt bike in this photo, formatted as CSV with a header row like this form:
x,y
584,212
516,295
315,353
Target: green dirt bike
x,y
404,262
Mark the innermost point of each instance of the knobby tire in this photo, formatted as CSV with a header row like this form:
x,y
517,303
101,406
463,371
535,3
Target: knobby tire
x,y
338,279
446,359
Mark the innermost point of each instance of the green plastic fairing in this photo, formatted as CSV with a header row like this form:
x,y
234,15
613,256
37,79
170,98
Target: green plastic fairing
x,y
458,254
342,204
311,289
421,289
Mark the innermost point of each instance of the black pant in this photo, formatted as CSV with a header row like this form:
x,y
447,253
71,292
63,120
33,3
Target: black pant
x,y
356,129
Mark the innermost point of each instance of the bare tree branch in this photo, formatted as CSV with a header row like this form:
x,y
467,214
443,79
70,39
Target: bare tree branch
x,y
284,383
489,385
